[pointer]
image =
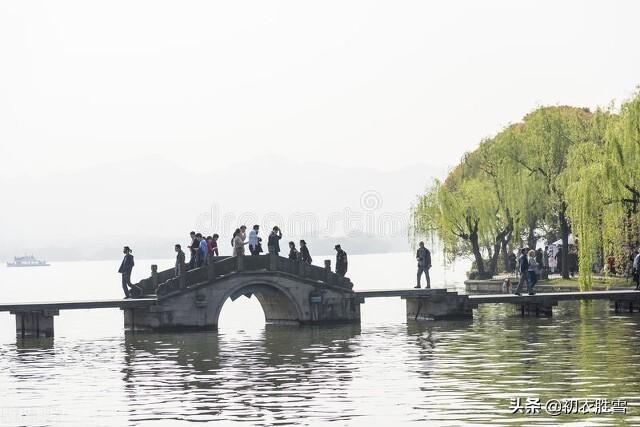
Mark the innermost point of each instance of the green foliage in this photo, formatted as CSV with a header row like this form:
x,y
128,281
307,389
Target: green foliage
x,y
561,169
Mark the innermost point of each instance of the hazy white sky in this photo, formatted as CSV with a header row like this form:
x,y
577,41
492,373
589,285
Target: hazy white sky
x,y
122,119
381,84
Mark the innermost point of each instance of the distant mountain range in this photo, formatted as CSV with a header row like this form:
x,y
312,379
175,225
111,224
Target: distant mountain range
x,y
150,204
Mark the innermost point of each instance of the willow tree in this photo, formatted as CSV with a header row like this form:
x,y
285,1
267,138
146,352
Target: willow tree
x,y
584,184
492,167
459,213
622,160
603,183
548,134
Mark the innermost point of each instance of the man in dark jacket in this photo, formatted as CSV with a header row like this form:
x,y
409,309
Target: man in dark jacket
x,y
524,267
273,244
341,261
125,270
424,264
180,261
193,249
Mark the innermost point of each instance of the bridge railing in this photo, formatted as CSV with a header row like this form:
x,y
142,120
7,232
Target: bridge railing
x,y
221,266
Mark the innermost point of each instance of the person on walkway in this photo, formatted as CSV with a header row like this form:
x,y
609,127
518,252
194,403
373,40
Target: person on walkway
x,y
238,243
273,244
611,264
342,263
532,271
180,260
539,261
125,269
193,250
305,256
523,265
636,271
214,245
254,240
423,256
294,255
233,238
573,261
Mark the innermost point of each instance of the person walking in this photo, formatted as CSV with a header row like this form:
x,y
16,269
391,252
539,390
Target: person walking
x,y
213,249
342,263
305,256
238,243
254,240
293,252
125,269
180,260
424,264
523,265
532,271
273,244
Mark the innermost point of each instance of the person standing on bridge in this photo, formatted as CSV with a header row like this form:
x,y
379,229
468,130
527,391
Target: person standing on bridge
x,y
424,264
238,242
213,248
125,269
305,256
180,260
193,250
523,265
636,271
203,250
342,264
254,240
273,244
294,255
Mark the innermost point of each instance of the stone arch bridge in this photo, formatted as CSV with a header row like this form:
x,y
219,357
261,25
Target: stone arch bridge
x,y
288,291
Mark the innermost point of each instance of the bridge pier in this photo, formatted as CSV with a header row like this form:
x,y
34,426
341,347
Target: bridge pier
x,y
34,323
439,305
625,305
537,309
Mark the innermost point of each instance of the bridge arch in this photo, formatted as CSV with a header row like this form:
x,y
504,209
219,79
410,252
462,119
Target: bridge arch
x,y
278,303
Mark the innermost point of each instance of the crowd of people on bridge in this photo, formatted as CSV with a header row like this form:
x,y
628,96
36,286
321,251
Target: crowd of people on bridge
x,y
202,249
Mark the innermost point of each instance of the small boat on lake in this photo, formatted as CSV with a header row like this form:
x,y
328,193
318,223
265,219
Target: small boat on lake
x,y
27,261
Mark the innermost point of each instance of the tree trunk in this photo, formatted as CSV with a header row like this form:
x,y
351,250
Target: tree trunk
x,y
531,237
505,253
493,265
564,235
475,248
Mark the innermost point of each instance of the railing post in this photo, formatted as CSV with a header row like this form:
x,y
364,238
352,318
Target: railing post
x,y
211,268
154,276
240,263
273,262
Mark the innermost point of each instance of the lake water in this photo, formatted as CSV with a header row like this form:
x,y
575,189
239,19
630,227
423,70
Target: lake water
x,y
385,371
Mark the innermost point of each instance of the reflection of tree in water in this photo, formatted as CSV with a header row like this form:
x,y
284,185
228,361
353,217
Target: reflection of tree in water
x,y
477,367
281,374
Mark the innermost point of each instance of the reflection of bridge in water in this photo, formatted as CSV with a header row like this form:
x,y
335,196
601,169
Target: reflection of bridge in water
x,y
290,292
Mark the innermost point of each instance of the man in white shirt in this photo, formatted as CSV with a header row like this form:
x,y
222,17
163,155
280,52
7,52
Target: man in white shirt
x,y
254,240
